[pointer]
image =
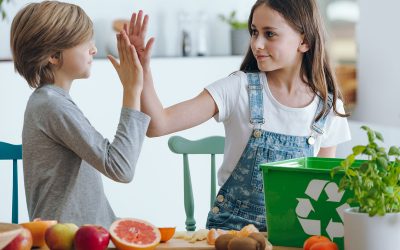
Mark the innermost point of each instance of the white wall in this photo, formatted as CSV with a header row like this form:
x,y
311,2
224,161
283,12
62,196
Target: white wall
x,y
164,22
378,62
156,193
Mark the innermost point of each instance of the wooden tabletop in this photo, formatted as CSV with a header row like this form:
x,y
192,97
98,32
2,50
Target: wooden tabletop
x,y
179,244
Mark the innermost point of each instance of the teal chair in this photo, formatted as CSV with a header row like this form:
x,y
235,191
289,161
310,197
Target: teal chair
x,y
14,153
210,145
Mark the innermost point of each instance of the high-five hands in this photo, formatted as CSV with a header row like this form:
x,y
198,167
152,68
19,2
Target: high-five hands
x,y
130,71
137,34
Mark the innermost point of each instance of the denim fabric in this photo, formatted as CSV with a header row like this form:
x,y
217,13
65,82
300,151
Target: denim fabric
x,y
240,201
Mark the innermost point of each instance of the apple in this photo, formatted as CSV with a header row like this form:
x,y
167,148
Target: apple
x,y
92,237
61,236
23,241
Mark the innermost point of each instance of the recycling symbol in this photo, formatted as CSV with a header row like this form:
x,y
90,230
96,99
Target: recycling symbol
x,y
304,208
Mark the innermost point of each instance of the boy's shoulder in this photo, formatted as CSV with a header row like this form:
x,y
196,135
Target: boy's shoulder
x,y
49,98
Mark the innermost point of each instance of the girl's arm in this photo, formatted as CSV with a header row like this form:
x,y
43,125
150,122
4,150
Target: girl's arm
x,y
178,117
329,152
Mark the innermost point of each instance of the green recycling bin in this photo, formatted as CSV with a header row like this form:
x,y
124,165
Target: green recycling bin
x,y
302,200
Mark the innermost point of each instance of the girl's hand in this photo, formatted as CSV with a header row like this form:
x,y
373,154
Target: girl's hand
x,y
129,69
137,35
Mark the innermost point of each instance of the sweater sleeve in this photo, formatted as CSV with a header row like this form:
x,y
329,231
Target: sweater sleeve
x,y
67,125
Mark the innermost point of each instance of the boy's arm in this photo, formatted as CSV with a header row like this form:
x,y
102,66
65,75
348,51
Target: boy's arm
x,y
178,117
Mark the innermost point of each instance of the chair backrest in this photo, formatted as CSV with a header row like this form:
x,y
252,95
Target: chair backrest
x,y
210,145
14,153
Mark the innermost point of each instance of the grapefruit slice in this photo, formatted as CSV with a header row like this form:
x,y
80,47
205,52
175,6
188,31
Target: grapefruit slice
x,y
134,234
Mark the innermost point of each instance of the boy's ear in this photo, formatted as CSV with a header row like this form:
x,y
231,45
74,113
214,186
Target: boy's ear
x,y
54,59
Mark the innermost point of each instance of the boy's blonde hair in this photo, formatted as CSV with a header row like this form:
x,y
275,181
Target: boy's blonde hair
x,y
45,29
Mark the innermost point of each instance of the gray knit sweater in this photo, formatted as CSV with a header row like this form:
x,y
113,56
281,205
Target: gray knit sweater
x,y
63,157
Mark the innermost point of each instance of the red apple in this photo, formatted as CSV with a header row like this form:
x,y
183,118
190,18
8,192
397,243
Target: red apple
x,y
91,237
61,236
23,241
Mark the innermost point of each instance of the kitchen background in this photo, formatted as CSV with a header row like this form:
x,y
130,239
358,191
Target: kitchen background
x,y
362,41
207,33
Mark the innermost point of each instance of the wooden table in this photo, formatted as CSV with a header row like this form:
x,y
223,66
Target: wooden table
x,y
179,244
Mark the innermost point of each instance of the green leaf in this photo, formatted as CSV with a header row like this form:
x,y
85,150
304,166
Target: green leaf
x,y
394,151
381,162
358,149
379,136
375,183
390,190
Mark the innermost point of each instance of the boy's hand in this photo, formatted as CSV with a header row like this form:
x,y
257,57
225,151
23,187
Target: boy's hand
x,y
129,69
137,35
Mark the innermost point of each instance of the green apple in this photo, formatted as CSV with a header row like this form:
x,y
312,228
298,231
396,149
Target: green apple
x,y
61,236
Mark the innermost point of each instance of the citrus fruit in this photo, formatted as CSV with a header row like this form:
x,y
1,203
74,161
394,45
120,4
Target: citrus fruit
x,y
38,228
134,234
325,245
314,239
247,230
166,233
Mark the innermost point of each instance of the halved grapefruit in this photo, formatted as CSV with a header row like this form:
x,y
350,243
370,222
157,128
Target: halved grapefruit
x,y
134,234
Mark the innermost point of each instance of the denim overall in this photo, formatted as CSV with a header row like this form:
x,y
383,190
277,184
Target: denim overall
x,y
240,201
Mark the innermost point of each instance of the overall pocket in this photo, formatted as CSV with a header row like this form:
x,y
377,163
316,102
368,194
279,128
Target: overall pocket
x,y
222,213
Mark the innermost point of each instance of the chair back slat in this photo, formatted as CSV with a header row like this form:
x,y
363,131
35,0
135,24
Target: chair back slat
x,y
210,145
14,153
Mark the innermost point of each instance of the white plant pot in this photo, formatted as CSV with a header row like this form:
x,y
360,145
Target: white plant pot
x,y
362,232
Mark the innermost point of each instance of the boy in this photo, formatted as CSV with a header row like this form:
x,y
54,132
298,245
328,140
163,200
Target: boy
x,y
63,154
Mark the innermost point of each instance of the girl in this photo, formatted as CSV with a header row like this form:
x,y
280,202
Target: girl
x,y
63,154
283,103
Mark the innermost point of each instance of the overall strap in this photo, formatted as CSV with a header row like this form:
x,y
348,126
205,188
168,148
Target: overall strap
x,y
256,103
318,126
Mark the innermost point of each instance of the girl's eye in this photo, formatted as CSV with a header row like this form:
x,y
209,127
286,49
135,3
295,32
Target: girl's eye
x,y
269,34
254,32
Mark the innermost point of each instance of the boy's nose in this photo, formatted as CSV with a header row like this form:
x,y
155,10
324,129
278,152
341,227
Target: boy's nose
x,y
94,50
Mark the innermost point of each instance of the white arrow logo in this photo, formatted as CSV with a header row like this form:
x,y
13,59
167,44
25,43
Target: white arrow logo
x,y
332,190
315,188
335,229
311,227
340,210
304,207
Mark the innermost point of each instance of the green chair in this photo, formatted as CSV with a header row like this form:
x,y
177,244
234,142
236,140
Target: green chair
x,y
210,145
14,153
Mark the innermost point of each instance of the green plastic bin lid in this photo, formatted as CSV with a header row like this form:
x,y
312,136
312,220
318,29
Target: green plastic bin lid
x,y
305,164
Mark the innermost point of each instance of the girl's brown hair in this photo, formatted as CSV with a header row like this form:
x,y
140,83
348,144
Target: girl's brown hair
x,y
45,29
316,70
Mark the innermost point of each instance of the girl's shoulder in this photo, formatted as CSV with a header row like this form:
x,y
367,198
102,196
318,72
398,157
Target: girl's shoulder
x,y
238,76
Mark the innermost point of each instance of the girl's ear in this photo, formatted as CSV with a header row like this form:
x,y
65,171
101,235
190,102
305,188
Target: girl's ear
x,y
303,47
54,59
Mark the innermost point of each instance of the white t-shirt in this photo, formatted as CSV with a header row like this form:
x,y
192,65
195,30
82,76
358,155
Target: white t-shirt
x,y
231,96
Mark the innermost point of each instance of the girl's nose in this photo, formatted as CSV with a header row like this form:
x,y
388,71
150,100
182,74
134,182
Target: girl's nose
x,y
259,42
